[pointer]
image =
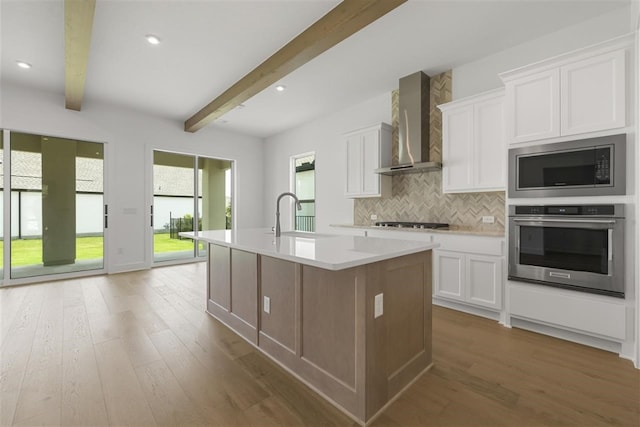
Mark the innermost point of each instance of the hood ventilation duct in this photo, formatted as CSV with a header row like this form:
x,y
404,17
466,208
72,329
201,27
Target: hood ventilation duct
x,y
413,127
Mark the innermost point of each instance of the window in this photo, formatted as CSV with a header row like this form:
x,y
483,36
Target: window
x,y
305,189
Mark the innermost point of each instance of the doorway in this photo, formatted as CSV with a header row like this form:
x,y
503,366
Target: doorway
x,y
57,208
190,193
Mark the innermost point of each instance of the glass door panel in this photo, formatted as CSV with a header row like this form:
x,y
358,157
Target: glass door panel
x,y
57,202
214,188
173,205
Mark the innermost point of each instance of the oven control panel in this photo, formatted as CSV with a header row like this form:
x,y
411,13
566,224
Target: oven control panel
x,y
578,210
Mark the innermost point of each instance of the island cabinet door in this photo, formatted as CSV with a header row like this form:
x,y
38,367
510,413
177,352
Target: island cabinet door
x,y
244,294
219,277
278,291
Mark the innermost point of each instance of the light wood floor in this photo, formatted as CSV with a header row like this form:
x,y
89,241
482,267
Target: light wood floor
x,y
137,349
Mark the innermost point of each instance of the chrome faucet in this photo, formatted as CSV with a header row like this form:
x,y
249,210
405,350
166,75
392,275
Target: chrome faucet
x,y
298,205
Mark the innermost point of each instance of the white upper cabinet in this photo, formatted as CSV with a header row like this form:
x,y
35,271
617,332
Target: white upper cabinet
x,y
473,144
593,94
368,149
575,93
533,107
489,148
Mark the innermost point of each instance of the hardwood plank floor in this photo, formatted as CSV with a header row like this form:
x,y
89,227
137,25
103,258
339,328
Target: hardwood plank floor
x,y
138,349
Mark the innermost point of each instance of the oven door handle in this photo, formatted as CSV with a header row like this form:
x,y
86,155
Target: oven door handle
x,y
564,221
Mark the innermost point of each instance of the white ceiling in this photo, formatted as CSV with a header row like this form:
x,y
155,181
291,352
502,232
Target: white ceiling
x,y
208,45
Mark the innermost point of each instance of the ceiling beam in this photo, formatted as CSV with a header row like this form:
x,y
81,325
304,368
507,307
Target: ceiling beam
x,y
338,24
78,22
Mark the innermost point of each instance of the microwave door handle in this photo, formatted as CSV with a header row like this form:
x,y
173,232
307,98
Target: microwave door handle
x,y
610,246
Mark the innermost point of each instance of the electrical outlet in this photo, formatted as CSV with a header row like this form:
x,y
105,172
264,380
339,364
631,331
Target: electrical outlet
x,y
378,306
374,217
266,304
489,219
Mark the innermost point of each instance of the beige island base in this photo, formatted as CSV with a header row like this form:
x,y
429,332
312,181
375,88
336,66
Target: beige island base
x,y
323,322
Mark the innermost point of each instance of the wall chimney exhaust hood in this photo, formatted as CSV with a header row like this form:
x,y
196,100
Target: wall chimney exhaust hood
x,y
413,127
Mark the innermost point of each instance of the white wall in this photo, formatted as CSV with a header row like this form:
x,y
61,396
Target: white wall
x,y
482,75
130,136
323,136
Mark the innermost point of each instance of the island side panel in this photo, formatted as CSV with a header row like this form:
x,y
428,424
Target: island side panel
x,y
398,342
233,289
278,283
244,293
219,283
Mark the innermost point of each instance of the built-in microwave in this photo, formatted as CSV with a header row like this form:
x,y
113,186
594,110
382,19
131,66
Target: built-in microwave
x,y
587,167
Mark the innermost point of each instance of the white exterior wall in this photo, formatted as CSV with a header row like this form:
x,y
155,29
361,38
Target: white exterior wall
x,y
130,137
165,208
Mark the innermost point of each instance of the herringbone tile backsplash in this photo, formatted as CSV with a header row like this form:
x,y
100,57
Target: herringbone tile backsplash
x,y
418,197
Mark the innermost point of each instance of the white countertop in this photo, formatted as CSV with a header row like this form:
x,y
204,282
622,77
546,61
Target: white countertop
x,y
328,251
453,229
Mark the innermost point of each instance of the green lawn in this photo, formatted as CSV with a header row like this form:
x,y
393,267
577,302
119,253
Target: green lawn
x,y
29,251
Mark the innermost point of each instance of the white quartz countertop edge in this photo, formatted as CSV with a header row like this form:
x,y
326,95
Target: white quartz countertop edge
x,y
330,252
472,232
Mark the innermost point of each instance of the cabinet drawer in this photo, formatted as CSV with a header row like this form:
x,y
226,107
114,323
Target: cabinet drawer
x,y
482,245
590,314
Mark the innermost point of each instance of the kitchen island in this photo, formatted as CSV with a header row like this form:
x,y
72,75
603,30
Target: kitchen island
x,y
350,316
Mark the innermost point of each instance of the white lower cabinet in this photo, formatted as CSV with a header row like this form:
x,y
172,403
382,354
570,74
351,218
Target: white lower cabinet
x,y
596,315
449,272
470,278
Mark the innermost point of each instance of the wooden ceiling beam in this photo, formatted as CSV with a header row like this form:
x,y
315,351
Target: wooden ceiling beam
x,y
338,24
78,23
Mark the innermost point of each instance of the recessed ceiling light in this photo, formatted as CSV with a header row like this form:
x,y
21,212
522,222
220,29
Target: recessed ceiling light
x,y
280,88
152,39
23,64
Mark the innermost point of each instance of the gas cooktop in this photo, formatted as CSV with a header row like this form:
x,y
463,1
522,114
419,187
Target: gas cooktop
x,y
403,224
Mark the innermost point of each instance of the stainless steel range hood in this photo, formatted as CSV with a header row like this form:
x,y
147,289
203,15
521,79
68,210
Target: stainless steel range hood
x,y
413,127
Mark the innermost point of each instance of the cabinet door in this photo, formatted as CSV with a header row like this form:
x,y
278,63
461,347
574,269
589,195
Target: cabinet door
x,y
593,95
533,103
457,125
244,286
278,285
370,162
489,149
484,281
220,275
354,165
449,274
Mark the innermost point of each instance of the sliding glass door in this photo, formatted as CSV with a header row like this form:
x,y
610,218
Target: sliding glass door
x,y
57,205
189,193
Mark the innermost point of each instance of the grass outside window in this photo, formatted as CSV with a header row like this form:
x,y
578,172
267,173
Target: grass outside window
x,y
29,251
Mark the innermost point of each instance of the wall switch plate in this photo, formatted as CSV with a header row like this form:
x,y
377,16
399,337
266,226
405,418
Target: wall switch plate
x,y
374,217
490,219
266,304
378,306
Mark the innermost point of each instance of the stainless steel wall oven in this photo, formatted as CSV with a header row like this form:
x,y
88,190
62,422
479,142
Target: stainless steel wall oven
x,y
577,247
